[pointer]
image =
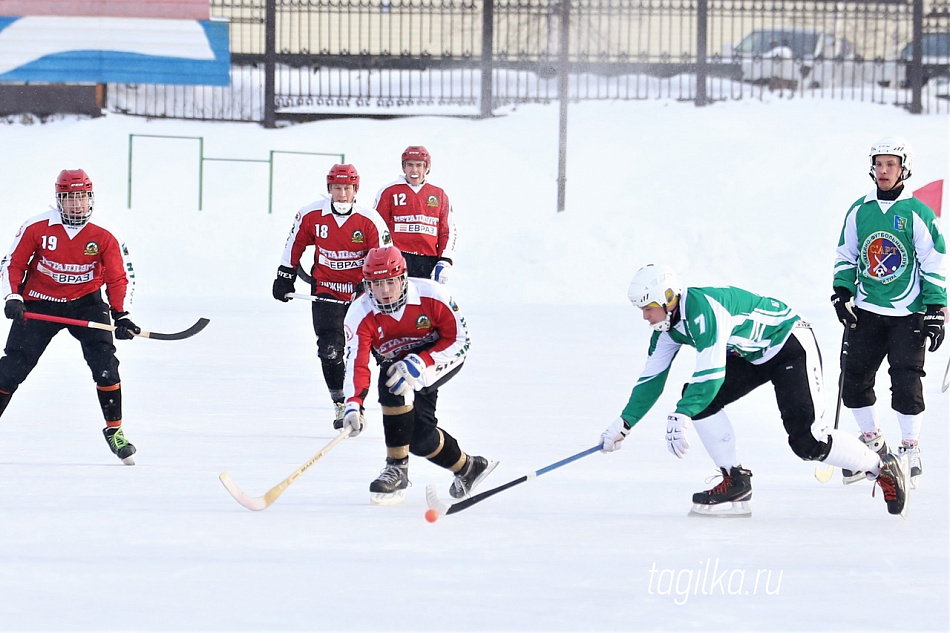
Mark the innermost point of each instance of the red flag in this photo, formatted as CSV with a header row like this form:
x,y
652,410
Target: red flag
x,y
931,195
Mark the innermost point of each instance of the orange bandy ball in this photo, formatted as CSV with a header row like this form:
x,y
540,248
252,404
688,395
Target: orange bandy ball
x,y
432,515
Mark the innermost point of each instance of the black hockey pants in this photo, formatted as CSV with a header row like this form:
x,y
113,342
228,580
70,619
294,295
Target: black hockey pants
x,y
790,375
26,342
328,316
901,341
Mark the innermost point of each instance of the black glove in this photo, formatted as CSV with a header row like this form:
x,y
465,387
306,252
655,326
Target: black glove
x,y
843,304
14,309
933,326
124,328
286,276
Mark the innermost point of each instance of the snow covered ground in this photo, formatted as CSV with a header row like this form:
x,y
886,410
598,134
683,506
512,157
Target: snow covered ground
x,y
749,194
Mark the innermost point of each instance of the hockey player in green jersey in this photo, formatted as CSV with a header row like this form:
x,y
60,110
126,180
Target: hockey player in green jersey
x,y
890,288
742,340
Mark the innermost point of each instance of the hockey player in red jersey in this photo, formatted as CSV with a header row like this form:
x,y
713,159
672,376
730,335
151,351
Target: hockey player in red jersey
x,y
59,261
341,233
420,335
419,217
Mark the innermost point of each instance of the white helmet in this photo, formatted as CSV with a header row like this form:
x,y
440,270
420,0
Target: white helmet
x,y
894,146
656,284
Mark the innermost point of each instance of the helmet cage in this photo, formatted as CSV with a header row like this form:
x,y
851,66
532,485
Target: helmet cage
x,y
74,197
374,286
382,267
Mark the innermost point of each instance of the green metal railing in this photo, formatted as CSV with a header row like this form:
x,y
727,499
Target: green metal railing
x,y
202,158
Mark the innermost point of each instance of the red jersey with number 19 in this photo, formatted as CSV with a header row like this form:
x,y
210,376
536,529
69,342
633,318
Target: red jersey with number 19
x,y
51,261
429,325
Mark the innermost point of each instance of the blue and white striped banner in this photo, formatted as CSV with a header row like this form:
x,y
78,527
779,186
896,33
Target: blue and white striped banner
x,y
60,49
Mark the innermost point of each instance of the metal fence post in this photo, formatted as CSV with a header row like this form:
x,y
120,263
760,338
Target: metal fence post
x,y
915,71
702,31
488,33
563,89
270,56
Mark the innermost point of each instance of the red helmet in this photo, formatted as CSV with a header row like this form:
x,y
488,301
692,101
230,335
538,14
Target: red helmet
x,y
383,263
71,184
417,152
380,265
343,175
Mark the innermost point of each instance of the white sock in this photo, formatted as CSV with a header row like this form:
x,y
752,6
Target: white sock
x,y
849,452
718,438
910,428
867,420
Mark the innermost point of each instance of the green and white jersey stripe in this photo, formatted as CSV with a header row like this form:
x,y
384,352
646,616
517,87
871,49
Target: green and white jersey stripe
x,y
892,256
718,322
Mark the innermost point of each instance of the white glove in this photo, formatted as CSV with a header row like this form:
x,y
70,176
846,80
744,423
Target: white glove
x,y
614,435
404,375
353,418
441,272
676,440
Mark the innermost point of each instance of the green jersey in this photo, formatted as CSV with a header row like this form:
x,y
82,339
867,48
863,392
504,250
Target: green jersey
x,y
891,256
718,322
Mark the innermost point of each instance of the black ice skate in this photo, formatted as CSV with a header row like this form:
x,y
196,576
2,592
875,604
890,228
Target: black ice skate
x,y
730,498
472,473
876,444
893,482
119,445
911,457
390,487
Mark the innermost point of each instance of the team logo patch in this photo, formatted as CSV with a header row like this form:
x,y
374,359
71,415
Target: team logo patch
x,y
91,249
423,322
900,223
433,201
884,257
358,237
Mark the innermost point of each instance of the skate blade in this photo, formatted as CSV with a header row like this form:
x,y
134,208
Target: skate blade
x,y
908,484
129,461
387,498
491,466
847,480
733,509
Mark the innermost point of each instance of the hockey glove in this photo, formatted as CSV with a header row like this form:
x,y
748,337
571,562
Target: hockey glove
x,y
404,375
14,308
284,284
124,328
353,418
442,270
843,303
614,435
677,425
933,326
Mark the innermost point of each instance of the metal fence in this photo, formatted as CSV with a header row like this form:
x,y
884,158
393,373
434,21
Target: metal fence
x,y
309,59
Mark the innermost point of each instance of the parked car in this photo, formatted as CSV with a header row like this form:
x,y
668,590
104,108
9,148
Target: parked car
x,y
793,57
935,58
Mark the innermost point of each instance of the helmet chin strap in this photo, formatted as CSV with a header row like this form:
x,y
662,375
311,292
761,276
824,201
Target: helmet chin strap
x,y
672,318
